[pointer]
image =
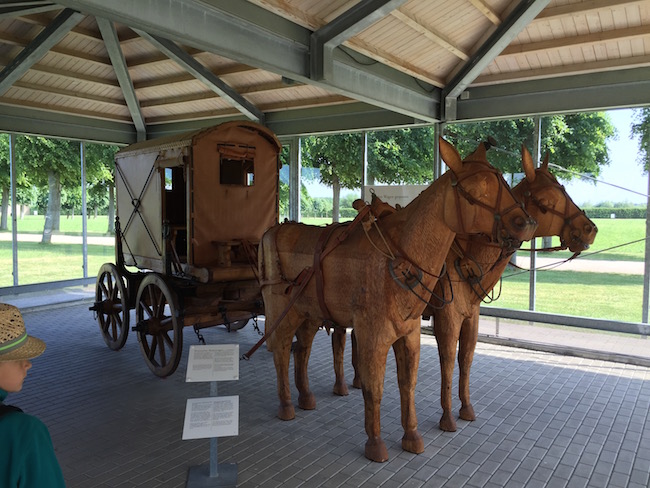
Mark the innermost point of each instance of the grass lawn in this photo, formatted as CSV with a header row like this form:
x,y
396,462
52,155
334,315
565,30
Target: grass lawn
x,y
596,295
33,224
39,263
612,241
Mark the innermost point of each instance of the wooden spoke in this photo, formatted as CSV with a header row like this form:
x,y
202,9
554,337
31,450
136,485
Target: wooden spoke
x,y
111,306
159,329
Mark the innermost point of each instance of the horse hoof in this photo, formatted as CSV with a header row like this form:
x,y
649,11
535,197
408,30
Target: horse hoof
x,y
341,389
467,413
286,412
376,450
412,442
447,423
356,382
307,401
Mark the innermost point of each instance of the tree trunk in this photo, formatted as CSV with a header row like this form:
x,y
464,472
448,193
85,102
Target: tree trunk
x,y
5,208
336,197
111,208
53,214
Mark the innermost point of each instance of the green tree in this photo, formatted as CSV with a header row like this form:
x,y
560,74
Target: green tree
x,y
574,141
5,181
402,156
51,164
100,171
641,128
339,158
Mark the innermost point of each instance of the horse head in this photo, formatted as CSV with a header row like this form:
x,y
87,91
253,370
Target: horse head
x,y
480,200
548,202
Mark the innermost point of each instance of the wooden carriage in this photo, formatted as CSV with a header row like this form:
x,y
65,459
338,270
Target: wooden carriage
x,y
191,209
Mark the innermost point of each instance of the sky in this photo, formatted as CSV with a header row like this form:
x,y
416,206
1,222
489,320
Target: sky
x,y
623,171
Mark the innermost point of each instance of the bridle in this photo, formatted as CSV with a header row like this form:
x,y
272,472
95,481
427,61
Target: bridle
x,y
499,232
568,219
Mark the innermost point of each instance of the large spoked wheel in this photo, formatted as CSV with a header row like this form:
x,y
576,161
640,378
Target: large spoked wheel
x,y
159,330
111,305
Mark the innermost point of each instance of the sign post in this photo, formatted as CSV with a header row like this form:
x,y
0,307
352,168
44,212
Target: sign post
x,y
214,416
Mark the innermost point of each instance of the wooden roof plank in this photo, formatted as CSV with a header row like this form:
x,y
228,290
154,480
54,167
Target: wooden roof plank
x,y
38,48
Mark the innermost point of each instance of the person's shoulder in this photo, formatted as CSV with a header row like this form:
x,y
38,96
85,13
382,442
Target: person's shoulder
x,y
25,422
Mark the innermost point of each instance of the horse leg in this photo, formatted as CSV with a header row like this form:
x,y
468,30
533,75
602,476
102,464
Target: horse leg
x,y
356,382
338,348
407,356
372,368
444,328
305,337
468,338
281,340
281,356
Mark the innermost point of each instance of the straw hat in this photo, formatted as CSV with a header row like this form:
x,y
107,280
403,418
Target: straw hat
x,y
15,344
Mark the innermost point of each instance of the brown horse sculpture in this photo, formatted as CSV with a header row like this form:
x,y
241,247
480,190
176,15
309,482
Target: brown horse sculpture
x,y
474,268
457,322
373,279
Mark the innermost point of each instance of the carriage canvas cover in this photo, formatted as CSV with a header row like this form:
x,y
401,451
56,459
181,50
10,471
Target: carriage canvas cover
x,y
231,177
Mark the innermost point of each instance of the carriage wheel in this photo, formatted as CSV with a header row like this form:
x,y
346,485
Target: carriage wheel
x,y
111,306
159,329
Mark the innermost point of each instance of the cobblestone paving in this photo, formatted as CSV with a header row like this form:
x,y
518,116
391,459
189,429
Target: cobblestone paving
x,y
542,419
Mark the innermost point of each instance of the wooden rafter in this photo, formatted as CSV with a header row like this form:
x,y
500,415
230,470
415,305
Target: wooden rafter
x,y
581,8
72,94
575,69
573,41
393,61
430,34
486,10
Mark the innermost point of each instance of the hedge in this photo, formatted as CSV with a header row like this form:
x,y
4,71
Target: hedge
x,y
619,212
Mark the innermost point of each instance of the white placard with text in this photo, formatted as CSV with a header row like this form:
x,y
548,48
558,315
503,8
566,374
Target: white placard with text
x,y
211,417
394,194
213,362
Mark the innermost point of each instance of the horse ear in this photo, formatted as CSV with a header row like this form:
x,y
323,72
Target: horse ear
x,y
545,162
527,163
480,154
450,155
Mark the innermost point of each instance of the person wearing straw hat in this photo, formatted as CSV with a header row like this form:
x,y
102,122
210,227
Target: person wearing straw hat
x,y
27,458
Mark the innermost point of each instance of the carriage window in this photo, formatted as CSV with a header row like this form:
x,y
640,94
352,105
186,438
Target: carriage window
x,y
168,179
237,172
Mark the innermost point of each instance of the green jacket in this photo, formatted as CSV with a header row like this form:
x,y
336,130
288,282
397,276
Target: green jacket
x,y
27,458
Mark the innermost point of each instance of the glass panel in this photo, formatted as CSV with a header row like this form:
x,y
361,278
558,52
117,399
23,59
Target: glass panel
x,y
100,184
331,173
49,220
285,170
6,256
400,164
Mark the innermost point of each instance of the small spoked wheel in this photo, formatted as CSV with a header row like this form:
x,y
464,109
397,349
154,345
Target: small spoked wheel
x,y
111,305
159,329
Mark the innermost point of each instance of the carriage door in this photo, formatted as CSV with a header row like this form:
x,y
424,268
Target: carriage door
x,y
174,210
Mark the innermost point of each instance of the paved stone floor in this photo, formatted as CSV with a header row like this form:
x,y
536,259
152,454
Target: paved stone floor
x,y
542,419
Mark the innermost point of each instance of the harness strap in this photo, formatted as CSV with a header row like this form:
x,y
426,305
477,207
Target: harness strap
x,y
318,270
306,274
302,280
